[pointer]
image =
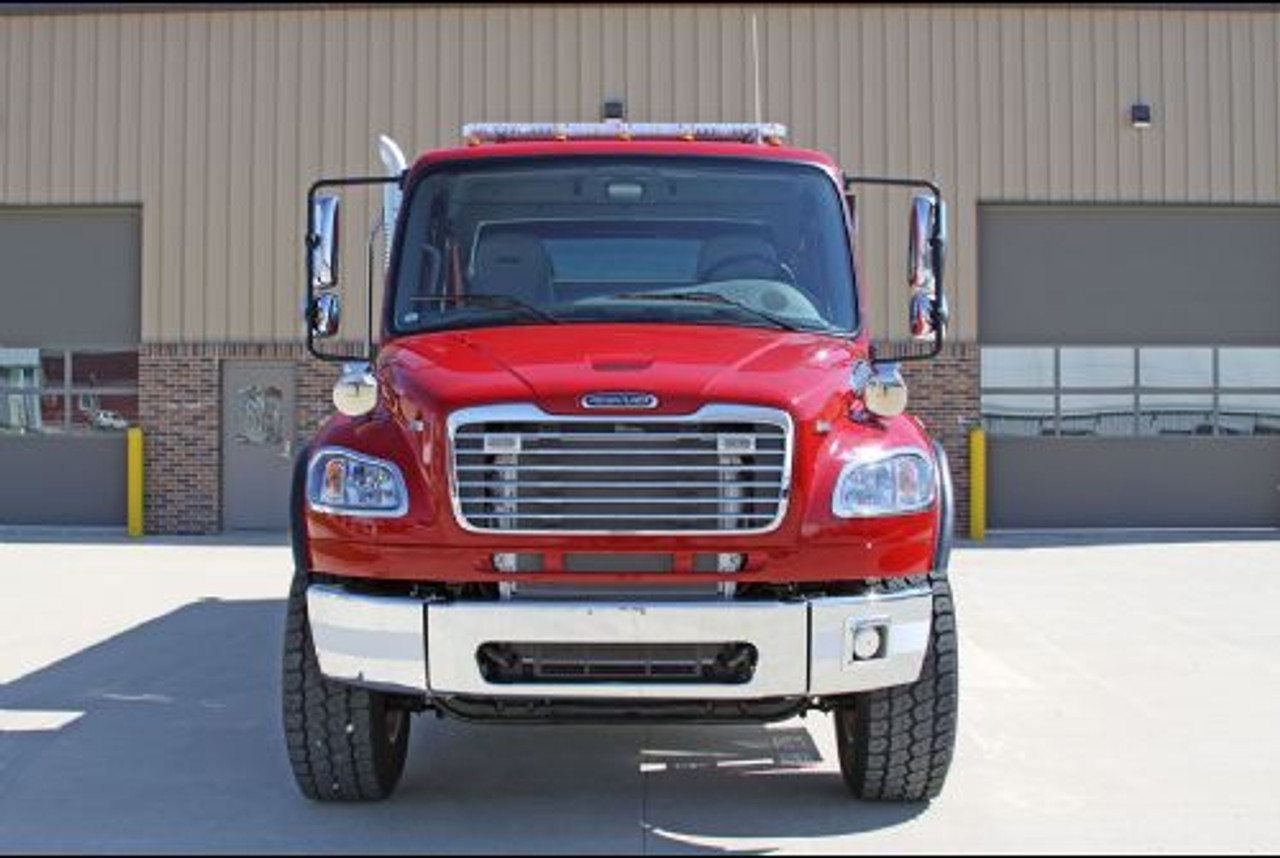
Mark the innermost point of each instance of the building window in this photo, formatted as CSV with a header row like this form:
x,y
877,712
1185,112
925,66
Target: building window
x,y
67,392
1130,391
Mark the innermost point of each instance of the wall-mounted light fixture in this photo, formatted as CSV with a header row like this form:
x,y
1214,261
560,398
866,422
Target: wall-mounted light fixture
x,y
1140,115
614,109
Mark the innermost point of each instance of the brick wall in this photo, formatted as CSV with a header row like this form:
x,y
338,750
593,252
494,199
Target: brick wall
x,y
178,394
180,391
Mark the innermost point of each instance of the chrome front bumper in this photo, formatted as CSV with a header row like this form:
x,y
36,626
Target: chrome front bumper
x,y
805,648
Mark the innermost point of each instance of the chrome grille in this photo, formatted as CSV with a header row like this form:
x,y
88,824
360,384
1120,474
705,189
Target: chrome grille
x,y
725,469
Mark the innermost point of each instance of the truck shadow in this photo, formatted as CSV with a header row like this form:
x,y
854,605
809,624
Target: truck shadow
x,y
179,749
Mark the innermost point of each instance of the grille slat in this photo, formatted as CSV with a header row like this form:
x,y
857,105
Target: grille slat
x,y
634,451
490,501
598,484
621,516
723,470
624,467
472,435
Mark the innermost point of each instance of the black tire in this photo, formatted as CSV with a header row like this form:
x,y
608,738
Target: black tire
x,y
345,743
896,743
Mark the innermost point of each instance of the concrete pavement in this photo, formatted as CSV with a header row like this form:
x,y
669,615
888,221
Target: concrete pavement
x,y
1116,695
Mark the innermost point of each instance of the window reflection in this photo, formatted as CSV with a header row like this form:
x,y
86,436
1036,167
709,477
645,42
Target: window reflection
x,y
104,369
1017,367
1175,367
37,396
1095,391
52,368
53,410
1249,367
103,413
1018,413
19,368
28,412
1106,414
1249,414
1175,414
1096,367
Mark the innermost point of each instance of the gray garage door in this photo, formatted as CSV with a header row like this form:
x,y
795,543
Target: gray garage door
x,y
1131,365
69,333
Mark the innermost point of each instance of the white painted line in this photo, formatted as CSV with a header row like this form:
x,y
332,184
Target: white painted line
x,y
35,721
137,698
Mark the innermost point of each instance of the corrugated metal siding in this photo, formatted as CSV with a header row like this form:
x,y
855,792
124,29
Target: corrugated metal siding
x,y
216,121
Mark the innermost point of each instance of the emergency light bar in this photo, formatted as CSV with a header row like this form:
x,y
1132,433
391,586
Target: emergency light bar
x,y
771,133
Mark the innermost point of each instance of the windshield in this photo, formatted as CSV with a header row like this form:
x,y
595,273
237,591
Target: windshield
x,y
689,240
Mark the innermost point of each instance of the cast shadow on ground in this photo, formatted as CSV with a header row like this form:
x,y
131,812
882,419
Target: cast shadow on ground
x,y
180,749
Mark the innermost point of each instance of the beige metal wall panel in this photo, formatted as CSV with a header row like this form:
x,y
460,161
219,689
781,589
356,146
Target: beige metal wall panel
x,y
216,120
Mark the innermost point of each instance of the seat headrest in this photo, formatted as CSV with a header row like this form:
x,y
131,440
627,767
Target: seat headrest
x,y
731,257
512,264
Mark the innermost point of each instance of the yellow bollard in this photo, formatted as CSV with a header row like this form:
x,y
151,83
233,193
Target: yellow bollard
x,y
977,484
135,481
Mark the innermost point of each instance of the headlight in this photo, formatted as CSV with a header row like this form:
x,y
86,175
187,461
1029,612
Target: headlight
x,y
343,482
897,482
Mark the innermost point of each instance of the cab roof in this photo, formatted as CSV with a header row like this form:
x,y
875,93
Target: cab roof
x,y
671,148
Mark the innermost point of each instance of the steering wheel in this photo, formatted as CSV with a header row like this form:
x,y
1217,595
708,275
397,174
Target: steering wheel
x,y
748,256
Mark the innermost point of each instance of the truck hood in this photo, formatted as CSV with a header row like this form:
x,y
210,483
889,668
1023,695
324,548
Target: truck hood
x,y
554,366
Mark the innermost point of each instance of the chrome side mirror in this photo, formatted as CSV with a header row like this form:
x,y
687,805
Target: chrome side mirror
x,y
323,242
324,315
924,265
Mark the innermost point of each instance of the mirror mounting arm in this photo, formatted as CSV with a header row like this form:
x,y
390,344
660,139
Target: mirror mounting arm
x,y
935,254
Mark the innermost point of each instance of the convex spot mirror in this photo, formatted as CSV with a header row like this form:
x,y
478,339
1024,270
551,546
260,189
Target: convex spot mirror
x,y
925,259
324,315
356,392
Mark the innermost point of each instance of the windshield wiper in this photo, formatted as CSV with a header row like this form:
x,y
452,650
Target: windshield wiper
x,y
500,301
698,296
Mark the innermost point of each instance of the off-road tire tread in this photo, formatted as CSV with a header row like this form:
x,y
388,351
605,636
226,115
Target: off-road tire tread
x,y
896,744
333,731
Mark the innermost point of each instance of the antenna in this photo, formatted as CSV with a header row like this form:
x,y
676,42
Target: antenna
x,y
755,63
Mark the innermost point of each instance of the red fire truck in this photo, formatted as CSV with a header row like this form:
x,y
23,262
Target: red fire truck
x,y
624,452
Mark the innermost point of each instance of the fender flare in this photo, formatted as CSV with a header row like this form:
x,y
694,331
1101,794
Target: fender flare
x,y
298,512
946,511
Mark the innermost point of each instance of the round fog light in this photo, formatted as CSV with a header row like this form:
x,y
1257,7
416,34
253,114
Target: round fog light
x,y
866,642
